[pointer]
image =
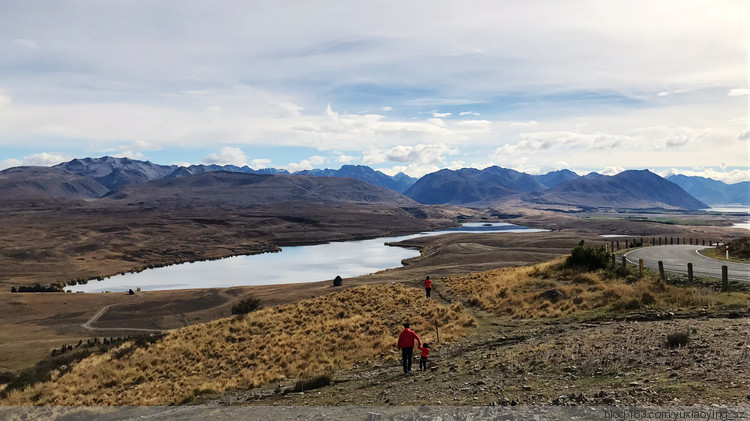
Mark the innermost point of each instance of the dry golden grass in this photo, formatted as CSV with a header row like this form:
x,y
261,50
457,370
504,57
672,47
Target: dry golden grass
x,y
515,292
297,340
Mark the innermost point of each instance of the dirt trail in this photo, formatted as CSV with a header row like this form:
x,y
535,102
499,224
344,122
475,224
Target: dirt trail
x,y
88,324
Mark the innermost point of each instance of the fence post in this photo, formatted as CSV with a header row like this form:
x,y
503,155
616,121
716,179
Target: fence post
x,y
704,241
724,278
671,241
624,262
659,240
690,273
618,244
614,263
661,271
678,241
691,241
640,267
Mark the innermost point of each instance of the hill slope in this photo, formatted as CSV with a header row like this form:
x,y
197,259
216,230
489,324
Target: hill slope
x,y
712,191
469,185
247,189
629,189
35,183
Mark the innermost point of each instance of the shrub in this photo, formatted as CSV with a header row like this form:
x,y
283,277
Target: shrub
x,y
313,383
647,299
675,340
587,257
246,305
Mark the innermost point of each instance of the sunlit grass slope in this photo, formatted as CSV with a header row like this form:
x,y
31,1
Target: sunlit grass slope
x,y
299,340
516,292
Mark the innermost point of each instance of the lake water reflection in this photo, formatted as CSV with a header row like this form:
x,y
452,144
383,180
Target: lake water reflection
x,y
291,265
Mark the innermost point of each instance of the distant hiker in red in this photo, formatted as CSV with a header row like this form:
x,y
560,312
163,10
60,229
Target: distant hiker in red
x,y
406,345
427,286
423,359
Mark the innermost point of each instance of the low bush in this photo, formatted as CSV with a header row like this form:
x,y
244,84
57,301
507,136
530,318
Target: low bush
x,y
675,340
313,383
246,305
587,257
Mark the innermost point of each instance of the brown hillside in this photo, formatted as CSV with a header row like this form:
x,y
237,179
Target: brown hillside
x,y
303,339
252,189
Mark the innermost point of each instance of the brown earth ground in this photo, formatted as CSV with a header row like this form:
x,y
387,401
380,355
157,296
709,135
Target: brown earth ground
x,y
35,323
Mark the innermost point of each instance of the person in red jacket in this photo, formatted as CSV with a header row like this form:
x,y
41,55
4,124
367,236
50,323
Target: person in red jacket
x,y
427,286
423,358
406,345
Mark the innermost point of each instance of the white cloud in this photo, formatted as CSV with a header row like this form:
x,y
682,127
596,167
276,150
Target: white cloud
x,y
299,166
316,159
5,100
345,159
386,109
744,135
440,115
463,113
45,159
739,92
663,94
228,155
611,170
524,123
260,163
131,155
421,154
27,43
9,163
181,163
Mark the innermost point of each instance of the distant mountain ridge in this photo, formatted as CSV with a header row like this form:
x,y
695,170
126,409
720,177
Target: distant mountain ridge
x,y
714,192
633,189
91,178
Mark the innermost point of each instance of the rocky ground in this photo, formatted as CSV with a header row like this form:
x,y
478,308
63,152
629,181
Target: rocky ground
x,y
511,362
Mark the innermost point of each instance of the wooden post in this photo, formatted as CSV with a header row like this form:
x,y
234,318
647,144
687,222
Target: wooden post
x,y
437,332
641,243
640,267
671,241
614,263
704,241
653,241
690,273
661,271
724,278
678,241
624,262
618,244
648,242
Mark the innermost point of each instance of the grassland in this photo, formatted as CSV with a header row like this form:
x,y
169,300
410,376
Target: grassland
x,y
300,340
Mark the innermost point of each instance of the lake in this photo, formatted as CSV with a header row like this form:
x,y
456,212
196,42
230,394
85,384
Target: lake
x,y
291,265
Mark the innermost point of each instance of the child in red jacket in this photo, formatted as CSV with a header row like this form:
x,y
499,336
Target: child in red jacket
x,y
423,359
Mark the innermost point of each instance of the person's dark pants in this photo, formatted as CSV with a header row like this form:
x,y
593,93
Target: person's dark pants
x,y
423,364
428,291
406,354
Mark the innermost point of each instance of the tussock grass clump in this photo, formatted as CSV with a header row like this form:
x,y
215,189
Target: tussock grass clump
x,y
525,292
301,340
675,340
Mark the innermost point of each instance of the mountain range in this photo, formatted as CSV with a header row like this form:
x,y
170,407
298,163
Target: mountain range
x,y
125,179
714,192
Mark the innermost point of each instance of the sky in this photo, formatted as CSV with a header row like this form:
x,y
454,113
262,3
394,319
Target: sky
x,y
410,87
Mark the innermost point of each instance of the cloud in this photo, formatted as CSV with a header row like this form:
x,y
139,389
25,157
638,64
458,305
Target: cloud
x,y
611,170
463,113
9,163
131,155
299,166
27,43
744,135
422,154
739,92
440,115
316,159
663,93
524,123
345,159
227,156
5,100
386,109
260,163
43,159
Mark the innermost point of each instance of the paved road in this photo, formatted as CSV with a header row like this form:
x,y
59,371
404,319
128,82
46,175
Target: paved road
x,y
676,258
